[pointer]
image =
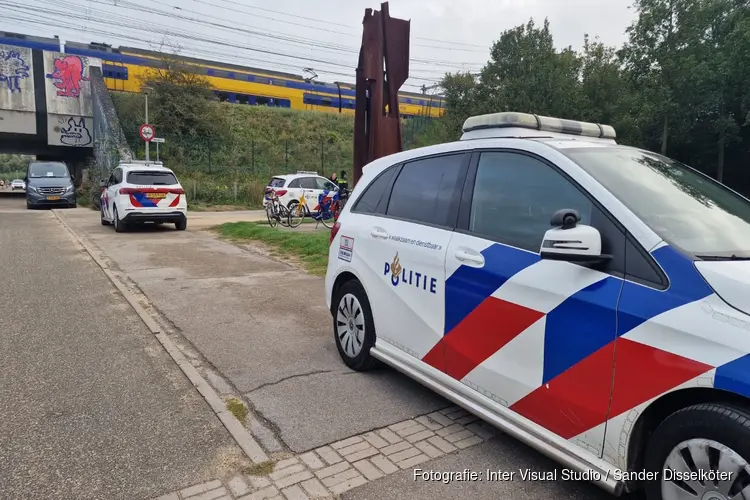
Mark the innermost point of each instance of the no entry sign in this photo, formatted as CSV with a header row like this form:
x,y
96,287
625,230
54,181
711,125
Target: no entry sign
x,y
147,132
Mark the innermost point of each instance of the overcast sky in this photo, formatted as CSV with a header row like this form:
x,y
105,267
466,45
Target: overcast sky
x,y
291,35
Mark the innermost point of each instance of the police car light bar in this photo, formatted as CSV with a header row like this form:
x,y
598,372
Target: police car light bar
x,y
307,172
533,122
140,162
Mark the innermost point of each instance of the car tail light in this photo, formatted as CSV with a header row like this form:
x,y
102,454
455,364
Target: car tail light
x,y
177,191
334,232
129,191
281,192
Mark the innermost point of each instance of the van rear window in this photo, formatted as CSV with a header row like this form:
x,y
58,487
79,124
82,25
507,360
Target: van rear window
x,y
152,178
276,182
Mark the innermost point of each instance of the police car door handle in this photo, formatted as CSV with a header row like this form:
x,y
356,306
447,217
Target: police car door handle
x,y
378,233
473,257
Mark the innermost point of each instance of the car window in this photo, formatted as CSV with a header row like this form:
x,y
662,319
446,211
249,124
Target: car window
x,y
368,202
685,208
295,183
277,182
515,196
322,183
152,178
48,169
425,188
308,183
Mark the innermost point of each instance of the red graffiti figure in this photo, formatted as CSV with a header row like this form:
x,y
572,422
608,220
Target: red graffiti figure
x,y
68,76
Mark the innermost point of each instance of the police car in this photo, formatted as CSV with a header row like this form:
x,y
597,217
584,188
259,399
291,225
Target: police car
x,y
140,192
588,298
291,187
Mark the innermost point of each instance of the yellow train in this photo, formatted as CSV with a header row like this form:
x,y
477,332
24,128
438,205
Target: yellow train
x,y
123,68
245,85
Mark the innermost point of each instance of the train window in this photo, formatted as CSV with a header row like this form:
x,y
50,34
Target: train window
x,y
230,75
210,72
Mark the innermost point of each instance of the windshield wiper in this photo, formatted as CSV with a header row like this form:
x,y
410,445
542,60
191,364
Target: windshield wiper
x,y
722,257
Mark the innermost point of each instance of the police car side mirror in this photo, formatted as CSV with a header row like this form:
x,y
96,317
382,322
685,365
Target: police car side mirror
x,y
572,242
103,183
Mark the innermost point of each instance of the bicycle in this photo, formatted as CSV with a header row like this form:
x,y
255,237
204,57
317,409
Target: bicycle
x,y
325,211
96,198
275,211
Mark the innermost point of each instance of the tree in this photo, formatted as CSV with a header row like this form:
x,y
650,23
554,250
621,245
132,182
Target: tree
x,y
525,73
180,103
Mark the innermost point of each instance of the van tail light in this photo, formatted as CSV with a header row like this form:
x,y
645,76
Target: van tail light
x,y
334,232
281,192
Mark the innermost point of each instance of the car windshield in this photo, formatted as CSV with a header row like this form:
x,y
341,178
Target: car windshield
x,y
685,208
152,178
48,169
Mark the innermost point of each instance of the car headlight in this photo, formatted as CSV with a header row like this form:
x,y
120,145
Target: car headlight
x,y
31,188
69,188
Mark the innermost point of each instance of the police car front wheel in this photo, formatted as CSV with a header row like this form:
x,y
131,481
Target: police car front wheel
x,y
700,453
353,327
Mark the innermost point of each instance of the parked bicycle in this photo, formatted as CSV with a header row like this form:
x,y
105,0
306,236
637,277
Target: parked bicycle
x,y
325,211
275,211
96,197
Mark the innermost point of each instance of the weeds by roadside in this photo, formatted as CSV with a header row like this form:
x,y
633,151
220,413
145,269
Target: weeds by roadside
x,y
310,247
238,409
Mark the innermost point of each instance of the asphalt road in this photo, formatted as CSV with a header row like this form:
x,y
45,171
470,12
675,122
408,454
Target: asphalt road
x,y
264,327
91,407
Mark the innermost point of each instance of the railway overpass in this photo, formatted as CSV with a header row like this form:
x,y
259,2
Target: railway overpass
x,y
56,106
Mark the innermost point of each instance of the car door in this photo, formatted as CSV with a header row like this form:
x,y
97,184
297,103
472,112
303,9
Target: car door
x,y
403,251
321,186
534,335
106,201
311,192
113,188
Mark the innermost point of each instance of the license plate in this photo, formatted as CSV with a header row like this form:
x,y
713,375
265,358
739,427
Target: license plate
x,y
156,196
53,198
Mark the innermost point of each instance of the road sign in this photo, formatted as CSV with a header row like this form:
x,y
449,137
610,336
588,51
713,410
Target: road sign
x,y
157,139
147,132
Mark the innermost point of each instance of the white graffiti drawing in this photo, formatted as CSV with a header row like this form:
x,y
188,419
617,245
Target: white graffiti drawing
x,y
13,69
76,134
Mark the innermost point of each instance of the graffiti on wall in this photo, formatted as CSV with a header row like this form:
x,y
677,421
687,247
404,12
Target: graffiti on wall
x,y
13,68
76,133
68,75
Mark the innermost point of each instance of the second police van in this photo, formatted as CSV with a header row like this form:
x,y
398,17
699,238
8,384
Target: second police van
x,y
588,298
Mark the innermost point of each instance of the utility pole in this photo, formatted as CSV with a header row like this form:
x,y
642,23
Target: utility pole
x,y
146,91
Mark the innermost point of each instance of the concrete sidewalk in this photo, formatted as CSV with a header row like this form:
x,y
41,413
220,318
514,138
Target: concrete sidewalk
x,y
259,330
91,407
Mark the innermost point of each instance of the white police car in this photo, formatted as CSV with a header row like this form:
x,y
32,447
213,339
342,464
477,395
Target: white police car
x,y
588,298
290,187
142,192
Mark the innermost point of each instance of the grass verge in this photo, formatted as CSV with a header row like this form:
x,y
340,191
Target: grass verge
x,y
310,248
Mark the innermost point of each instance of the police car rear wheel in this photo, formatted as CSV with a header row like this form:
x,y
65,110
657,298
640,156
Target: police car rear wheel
x,y
119,225
353,327
700,453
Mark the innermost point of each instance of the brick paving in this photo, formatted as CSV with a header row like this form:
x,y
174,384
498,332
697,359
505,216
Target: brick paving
x,y
330,470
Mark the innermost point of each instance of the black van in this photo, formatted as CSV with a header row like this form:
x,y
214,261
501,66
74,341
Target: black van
x,y
49,184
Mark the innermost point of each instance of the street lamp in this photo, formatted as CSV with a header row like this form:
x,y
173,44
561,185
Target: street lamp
x,y
146,91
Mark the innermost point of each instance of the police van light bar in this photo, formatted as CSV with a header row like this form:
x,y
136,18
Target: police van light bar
x,y
541,123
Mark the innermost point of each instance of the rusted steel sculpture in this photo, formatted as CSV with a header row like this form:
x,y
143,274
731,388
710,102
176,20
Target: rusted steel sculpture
x,y
377,126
